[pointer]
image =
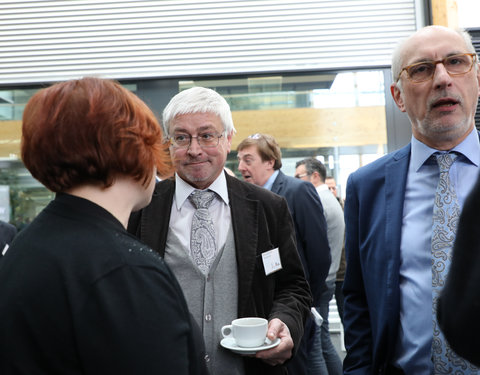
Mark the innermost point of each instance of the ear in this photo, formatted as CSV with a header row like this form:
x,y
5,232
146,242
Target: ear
x,y
172,153
397,96
229,141
270,163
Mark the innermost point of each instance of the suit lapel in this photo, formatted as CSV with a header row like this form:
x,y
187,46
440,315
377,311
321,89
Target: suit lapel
x,y
278,183
245,216
396,171
155,222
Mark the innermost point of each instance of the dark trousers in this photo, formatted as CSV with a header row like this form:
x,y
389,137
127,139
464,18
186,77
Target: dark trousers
x,y
339,298
298,365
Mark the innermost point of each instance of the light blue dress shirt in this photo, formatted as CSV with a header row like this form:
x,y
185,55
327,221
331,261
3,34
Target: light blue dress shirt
x,y
413,351
268,185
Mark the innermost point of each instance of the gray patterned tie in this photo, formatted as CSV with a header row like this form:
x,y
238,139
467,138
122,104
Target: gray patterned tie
x,y
446,212
203,248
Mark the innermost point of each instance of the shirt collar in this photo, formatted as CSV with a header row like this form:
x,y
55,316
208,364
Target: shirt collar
x,y
183,189
322,187
469,148
268,185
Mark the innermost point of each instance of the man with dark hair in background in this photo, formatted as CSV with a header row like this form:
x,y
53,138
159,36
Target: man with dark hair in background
x,y
326,360
259,162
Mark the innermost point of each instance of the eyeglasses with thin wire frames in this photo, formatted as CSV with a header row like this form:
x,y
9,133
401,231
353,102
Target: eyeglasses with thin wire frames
x,y
205,140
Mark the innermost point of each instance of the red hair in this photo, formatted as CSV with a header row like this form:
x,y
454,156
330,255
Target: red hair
x,y
90,131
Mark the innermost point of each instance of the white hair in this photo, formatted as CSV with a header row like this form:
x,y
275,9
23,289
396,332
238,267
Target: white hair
x,y
198,100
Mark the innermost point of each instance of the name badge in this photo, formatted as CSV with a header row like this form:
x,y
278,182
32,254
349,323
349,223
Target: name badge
x,y
5,249
271,261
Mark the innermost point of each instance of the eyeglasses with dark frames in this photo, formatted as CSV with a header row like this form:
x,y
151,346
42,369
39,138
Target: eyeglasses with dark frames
x,y
455,65
205,140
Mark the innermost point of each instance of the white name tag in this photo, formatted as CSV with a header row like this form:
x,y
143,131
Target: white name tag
x,y
271,261
5,249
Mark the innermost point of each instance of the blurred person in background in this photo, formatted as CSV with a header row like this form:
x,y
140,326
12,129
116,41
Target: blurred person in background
x,y
339,299
327,360
332,186
78,294
259,162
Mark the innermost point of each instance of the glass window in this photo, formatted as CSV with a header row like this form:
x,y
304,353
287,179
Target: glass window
x,y
337,117
12,103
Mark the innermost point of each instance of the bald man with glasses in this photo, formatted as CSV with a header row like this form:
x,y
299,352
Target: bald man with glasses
x,y
401,212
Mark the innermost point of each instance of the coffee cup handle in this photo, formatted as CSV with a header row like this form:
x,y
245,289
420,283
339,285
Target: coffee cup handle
x,y
227,331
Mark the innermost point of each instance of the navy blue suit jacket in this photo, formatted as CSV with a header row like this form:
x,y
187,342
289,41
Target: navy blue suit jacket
x,y
310,229
373,217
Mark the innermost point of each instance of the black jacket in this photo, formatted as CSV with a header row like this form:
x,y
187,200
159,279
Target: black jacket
x,y
80,295
458,308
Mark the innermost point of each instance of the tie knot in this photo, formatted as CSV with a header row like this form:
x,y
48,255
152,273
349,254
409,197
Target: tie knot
x,y
445,161
201,199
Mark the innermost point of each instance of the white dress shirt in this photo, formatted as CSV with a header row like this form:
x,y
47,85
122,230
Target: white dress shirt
x,y
182,210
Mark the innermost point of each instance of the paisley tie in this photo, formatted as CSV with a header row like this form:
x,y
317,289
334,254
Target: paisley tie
x,y
446,212
203,248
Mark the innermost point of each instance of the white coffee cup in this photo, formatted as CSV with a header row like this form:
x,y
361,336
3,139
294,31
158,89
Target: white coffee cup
x,y
247,332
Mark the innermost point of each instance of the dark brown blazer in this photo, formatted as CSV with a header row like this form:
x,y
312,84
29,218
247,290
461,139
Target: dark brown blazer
x,y
261,222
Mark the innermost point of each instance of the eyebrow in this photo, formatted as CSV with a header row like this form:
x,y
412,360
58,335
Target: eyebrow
x,y
245,156
200,129
420,60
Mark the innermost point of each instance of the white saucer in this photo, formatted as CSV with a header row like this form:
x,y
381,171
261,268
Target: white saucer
x,y
230,344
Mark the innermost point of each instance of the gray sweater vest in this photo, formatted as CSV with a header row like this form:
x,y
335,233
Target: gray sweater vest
x,y
212,299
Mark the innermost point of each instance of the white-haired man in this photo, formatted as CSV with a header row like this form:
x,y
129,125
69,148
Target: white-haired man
x,y
246,262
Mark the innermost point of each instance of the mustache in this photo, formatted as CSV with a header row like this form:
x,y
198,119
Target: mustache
x,y
190,160
187,159
442,95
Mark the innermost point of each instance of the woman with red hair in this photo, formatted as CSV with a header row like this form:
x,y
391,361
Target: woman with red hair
x,y
78,294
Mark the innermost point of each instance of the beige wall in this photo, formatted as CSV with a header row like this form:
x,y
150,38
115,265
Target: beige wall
x,y
292,128
10,134
311,127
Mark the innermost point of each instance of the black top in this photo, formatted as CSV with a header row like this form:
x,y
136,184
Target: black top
x,y
79,295
459,304
7,233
